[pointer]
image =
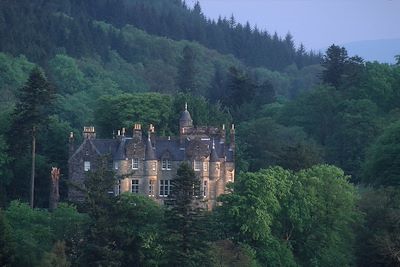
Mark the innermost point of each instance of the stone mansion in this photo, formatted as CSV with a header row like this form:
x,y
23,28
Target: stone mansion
x,y
147,164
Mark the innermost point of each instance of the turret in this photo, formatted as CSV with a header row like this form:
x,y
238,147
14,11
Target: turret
x,y
185,121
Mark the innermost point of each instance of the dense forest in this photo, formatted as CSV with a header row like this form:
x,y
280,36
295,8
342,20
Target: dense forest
x,y
318,139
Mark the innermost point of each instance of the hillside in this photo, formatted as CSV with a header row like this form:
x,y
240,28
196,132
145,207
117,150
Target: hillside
x,y
87,58
51,26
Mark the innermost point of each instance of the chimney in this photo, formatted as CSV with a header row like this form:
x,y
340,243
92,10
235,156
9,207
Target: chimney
x,y
137,131
89,132
152,134
71,145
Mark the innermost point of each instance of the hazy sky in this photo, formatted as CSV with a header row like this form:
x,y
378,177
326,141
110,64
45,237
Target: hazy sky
x,y
315,23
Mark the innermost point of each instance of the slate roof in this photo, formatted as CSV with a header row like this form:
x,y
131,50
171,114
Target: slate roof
x,y
171,147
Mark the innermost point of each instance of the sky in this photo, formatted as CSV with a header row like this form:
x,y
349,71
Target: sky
x,y
315,23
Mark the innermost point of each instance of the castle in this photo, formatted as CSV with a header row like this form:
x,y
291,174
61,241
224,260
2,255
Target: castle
x,y
147,164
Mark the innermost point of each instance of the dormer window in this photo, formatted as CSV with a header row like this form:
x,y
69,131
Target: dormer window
x,y
135,164
166,164
86,166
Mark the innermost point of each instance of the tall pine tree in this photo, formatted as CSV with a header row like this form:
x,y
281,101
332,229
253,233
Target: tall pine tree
x,y
186,245
33,107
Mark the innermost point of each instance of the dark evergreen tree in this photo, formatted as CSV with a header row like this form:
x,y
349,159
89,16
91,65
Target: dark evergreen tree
x,y
187,71
100,247
241,89
185,235
33,107
334,62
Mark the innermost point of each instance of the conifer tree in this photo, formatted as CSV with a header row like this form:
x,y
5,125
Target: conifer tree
x,y
31,111
187,71
186,245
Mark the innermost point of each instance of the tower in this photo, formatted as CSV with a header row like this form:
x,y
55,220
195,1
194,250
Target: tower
x,y
185,121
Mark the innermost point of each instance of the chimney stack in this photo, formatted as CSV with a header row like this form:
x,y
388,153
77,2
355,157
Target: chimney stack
x,y
89,132
137,131
71,146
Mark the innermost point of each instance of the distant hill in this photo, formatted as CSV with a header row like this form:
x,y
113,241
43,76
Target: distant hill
x,y
380,50
49,27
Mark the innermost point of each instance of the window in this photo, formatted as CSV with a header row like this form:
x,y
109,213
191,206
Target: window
x,y
86,166
166,164
154,166
205,166
165,186
135,164
205,188
151,188
197,165
135,186
116,165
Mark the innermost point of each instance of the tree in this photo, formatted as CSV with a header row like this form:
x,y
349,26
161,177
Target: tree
x,y
379,242
120,232
185,243
293,219
264,143
187,71
31,111
334,62
249,213
4,170
7,245
241,89
382,164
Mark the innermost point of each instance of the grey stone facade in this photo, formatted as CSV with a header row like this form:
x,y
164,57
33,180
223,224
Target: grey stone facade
x,y
147,164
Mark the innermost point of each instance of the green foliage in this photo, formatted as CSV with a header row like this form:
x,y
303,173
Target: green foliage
x,y
32,107
163,111
124,110
56,257
66,73
7,245
35,230
120,233
186,244
228,254
379,235
187,71
356,124
382,166
293,219
263,143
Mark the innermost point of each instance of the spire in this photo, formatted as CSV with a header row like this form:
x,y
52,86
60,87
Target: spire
x,y
185,106
213,156
149,153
